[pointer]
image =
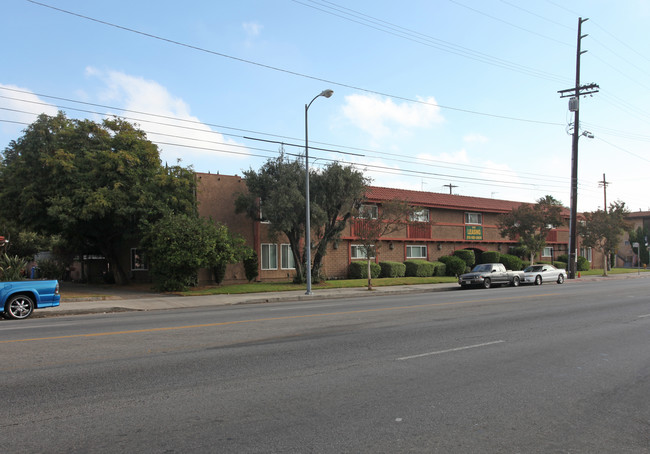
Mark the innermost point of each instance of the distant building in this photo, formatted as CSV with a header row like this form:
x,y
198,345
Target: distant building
x,y
442,224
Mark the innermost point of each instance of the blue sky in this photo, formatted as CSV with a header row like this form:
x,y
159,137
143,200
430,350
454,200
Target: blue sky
x,y
426,93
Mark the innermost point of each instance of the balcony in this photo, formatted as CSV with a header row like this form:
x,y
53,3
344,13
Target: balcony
x,y
419,230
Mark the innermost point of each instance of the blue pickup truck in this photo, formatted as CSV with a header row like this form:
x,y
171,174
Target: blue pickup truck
x,y
18,299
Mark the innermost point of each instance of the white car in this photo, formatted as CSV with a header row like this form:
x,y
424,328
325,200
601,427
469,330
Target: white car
x,y
538,274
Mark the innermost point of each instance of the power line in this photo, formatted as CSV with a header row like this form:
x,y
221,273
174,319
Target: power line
x,y
424,39
392,156
294,73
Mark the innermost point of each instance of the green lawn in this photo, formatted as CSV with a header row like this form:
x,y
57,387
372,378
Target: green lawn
x,y
258,287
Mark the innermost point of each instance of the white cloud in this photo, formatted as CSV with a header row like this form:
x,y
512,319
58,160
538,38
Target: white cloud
x,y
20,107
183,134
252,29
382,117
475,138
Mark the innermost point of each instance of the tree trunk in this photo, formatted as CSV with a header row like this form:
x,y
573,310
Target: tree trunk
x,y
606,261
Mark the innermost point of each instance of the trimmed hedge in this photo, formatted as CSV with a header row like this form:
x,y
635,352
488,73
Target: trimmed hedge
x,y
560,265
491,257
392,269
583,264
454,265
511,262
359,270
441,269
466,256
419,268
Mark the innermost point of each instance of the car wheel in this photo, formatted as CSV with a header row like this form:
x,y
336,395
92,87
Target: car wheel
x,y
487,283
515,281
560,279
538,280
19,307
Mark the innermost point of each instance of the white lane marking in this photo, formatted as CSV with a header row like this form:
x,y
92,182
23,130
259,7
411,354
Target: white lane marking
x,y
439,352
644,316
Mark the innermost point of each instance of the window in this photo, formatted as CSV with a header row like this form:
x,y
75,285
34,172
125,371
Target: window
x,y
358,251
138,260
416,252
263,220
473,218
269,256
421,215
586,253
286,259
548,252
368,211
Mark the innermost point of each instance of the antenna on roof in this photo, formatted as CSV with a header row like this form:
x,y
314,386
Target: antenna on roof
x,y
450,186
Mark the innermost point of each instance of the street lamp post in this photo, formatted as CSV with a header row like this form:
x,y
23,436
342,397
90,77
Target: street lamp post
x,y
326,94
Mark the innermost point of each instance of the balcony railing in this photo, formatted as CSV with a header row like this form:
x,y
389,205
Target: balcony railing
x,y
419,230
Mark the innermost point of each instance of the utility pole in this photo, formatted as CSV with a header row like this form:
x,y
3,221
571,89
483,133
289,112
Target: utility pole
x,y
450,186
574,106
604,185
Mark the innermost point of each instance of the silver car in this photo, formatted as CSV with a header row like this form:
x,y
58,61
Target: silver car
x,y
538,274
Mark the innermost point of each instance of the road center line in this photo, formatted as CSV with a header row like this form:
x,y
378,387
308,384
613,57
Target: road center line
x,y
286,317
440,352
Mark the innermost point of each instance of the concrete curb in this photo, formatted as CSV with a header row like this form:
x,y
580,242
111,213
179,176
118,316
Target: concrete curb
x,y
150,302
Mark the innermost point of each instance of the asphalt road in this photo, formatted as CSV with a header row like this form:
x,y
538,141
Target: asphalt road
x,y
550,369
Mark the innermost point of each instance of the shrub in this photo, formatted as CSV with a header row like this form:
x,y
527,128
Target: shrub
x,y
251,267
583,264
51,269
454,265
490,257
219,273
466,256
392,269
520,251
560,265
12,268
440,268
419,268
562,258
359,270
511,262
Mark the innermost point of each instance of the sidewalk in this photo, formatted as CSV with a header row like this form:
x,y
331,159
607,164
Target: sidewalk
x,y
106,299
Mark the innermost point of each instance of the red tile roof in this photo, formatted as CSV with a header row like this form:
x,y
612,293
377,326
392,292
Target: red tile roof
x,y
439,200
639,214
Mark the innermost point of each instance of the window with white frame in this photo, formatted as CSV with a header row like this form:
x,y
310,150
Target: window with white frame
x,y
286,258
473,218
138,260
586,253
547,252
269,256
261,214
358,251
368,211
416,252
420,215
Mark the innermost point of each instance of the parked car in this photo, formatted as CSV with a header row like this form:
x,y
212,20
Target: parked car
x,y
538,274
18,299
489,274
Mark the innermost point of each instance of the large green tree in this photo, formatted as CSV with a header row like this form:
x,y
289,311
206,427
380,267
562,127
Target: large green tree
x,y
531,223
276,193
603,229
177,245
91,183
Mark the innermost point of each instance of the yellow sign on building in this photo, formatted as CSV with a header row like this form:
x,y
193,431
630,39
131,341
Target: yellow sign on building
x,y
473,232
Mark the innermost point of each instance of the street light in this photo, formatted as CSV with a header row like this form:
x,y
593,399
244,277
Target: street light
x,y
326,94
